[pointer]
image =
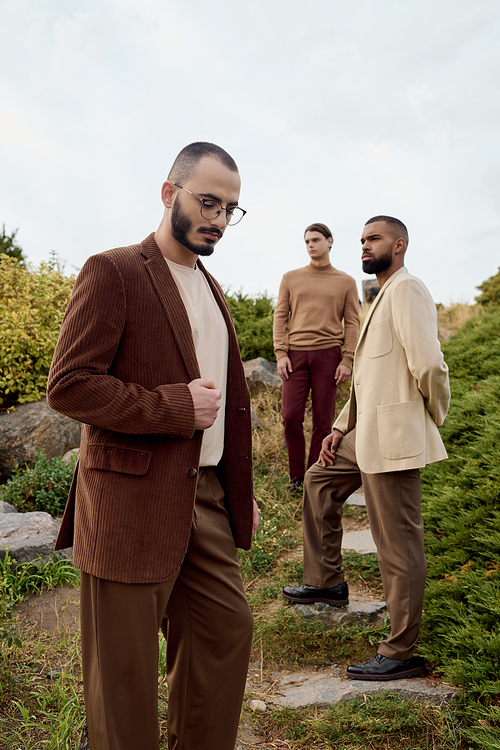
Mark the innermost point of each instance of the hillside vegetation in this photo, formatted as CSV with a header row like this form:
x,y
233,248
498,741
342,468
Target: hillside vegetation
x,y
461,626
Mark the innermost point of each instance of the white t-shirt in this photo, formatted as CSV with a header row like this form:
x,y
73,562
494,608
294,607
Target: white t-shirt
x,y
211,343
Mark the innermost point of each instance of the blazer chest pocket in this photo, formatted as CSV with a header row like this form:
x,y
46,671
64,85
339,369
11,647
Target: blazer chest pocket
x,y
114,458
379,339
400,430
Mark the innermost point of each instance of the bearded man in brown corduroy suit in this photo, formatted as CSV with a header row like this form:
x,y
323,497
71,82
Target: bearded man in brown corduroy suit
x,y
148,360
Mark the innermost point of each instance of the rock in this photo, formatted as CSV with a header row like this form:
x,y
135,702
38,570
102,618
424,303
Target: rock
x,y
261,374
6,507
359,611
370,290
29,535
255,420
31,428
258,706
360,541
68,456
321,690
357,498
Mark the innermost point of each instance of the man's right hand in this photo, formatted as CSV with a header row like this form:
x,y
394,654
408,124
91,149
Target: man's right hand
x,y
206,401
284,367
329,448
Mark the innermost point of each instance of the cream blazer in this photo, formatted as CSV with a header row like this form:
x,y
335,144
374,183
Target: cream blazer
x,y
400,390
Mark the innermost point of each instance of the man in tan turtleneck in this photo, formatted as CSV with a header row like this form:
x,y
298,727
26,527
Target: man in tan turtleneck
x,y
316,326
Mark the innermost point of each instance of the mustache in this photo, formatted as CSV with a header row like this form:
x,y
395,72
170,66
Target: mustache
x,y
212,230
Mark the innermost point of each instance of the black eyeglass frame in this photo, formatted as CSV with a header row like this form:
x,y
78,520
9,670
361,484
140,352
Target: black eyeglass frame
x,y
203,201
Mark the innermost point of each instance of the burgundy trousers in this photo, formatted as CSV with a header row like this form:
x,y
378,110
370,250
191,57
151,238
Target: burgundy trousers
x,y
311,371
207,622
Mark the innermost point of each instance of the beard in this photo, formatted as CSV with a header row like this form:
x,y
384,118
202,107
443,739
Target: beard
x,y
181,225
377,265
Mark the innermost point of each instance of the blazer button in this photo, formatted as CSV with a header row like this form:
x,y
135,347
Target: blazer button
x,y
192,472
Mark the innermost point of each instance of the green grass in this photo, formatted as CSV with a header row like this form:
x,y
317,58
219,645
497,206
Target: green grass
x,y
379,721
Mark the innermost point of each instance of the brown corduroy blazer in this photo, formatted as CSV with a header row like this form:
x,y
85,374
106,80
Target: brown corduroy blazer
x,y
122,363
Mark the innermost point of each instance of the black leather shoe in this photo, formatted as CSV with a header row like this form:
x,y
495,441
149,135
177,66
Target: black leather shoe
x,y
338,596
383,668
295,486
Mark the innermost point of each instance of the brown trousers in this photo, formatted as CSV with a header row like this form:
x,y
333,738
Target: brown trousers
x,y
393,502
206,619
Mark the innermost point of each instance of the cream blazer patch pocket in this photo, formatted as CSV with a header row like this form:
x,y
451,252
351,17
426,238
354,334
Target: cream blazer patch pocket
x,y
400,430
379,339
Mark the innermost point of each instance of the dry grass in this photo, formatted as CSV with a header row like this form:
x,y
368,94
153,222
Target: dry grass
x,y
451,318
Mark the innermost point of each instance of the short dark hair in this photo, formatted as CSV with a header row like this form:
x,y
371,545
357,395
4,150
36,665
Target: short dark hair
x,y
187,160
398,226
321,228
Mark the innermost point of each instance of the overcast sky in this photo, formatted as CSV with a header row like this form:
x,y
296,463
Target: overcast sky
x,y
334,112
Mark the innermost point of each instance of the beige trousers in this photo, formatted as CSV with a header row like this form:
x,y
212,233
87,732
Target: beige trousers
x,y
206,619
393,502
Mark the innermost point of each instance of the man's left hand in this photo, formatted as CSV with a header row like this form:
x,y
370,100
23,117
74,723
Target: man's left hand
x,y
342,373
255,524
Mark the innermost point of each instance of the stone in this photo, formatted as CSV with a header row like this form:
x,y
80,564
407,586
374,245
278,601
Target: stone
x,y
31,428
7,507
357,498
324,690
255,420
261,374
69,456
29,535
370,290
359,541
359,611
258,706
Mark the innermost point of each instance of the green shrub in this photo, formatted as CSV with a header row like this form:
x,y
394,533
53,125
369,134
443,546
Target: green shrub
x,y
44,486
461,503
490,291
32,304
253,320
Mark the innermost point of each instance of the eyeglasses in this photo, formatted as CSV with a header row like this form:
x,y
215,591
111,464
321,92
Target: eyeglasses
x,y
210,209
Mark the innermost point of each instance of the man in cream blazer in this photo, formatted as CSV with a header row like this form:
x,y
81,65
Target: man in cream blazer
x,y
386,432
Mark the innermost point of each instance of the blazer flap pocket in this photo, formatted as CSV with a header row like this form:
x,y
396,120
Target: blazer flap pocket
x,y
114,458
400,430
378,338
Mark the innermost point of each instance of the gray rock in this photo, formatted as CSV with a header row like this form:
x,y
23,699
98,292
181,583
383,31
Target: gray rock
x,y
360,611
31,428
260,374
7,507
69,455
321,690
29,535
360,541
357,498
255,420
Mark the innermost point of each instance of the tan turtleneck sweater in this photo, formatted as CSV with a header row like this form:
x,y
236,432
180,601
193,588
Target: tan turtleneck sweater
x,y
317,308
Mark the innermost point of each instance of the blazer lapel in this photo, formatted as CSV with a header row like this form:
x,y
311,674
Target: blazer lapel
x,y
376,302
172,303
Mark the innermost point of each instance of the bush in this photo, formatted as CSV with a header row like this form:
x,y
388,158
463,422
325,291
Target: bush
x,y
32,304
461,503
253,320
490,291
44,486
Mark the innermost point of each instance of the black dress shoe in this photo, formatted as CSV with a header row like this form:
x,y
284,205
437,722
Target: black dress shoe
x,y
338,596
295,486
383,668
